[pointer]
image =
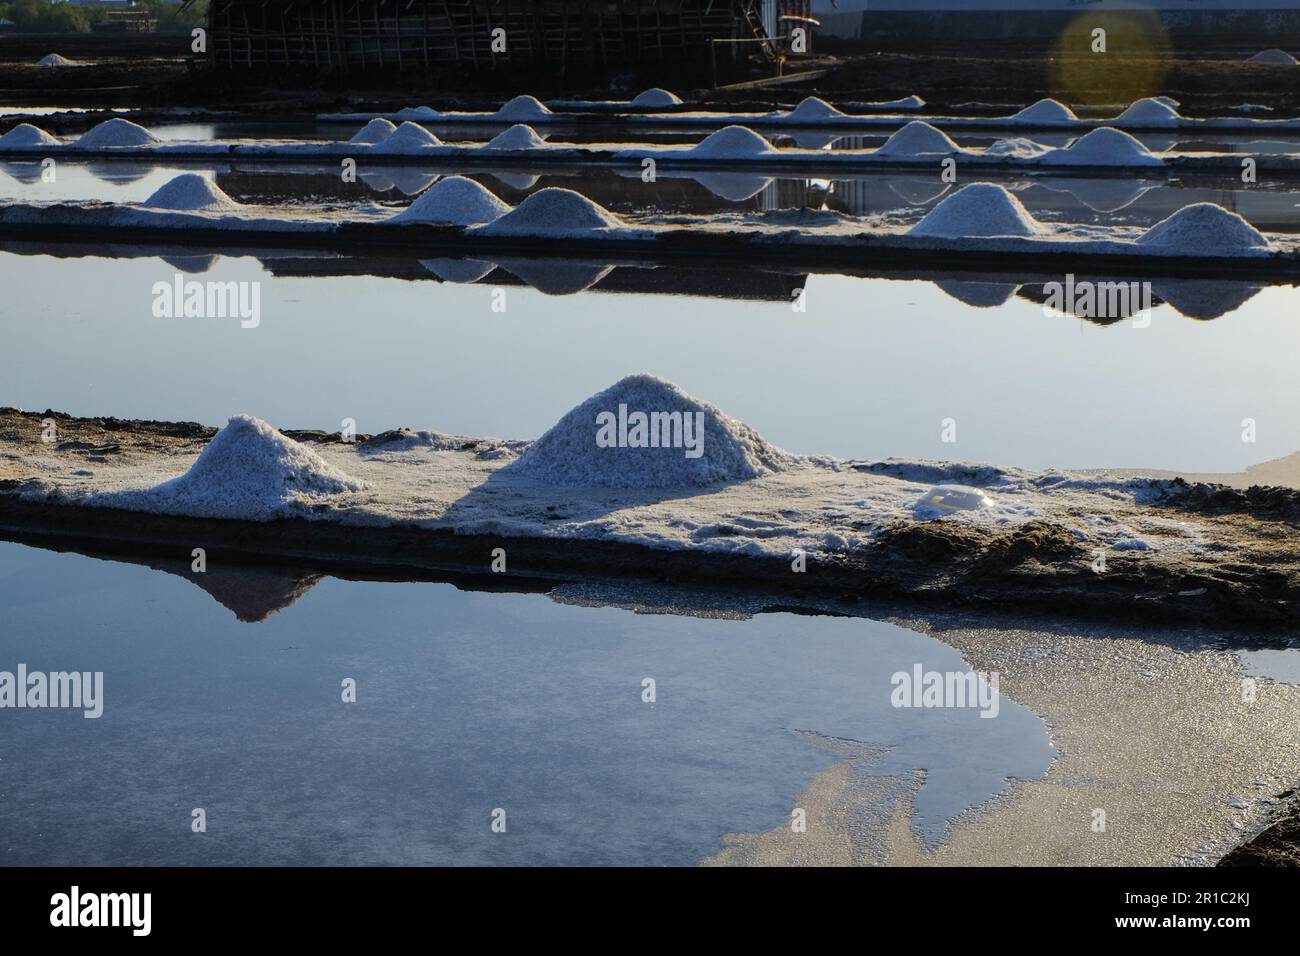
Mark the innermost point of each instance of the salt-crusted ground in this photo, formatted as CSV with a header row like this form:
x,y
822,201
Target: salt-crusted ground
x,y
1123,547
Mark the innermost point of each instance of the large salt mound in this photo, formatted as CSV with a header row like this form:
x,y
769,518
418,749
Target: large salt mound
x,y
55,59
1275,57
1045,111
376,131
1203,229
568,454
519,136
1104,147
248,471
25,134
454,201
656,97
918,139
1149,112
523,107
407,138
190,192
980,209
732,142
553,212
116,132
812,109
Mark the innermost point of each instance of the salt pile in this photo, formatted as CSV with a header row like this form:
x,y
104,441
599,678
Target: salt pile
x,y
918,139
407,138
980,209
1168,101
553,212
190,192
519,136
418,113
1149,112
25,134
454,201
1104,147
1045,111
599,443
1204,229
376,131
811,109
656,97
732,142
55,59
1017,147
523,108
116,132
248,471
1274,57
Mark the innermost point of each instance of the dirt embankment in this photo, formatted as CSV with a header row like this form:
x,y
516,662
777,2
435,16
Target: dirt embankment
x,y
1243,574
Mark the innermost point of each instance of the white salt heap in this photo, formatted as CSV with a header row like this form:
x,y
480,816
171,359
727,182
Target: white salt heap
x,y
519,136
407,138
248,471
116,132
25,134
523,108
918,139
190,192
553,212
376,131
455,201
1017,147
569,453
1104,146
811,109
1204,229
980,209
1149,112
55,59
1045,111
732,142
656,97
1275,57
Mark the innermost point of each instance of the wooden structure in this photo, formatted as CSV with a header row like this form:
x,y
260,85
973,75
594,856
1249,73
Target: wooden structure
x,y
472,35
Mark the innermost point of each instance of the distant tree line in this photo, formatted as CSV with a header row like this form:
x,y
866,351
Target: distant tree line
x,y
45,16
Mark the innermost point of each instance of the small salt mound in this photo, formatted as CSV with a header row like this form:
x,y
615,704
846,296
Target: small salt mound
x,y
376,131
1104,147
1203,228
918,139
1168,101
813,108
248,471
1149,112
116,132
25,134
1274,57
1018,148
407,138
454,201
553,212
579,452
656,97
945,499
1045,111
55,59
980,209
519,136
909,102
732,142
522,108
190,192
